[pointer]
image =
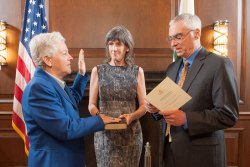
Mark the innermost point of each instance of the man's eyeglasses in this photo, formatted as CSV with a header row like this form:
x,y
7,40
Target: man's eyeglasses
x,y
179,36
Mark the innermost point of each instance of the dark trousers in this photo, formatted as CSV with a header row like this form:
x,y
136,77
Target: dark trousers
x,y
168,159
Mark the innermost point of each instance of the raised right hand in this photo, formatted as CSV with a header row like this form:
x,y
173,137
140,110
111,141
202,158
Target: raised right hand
x,y
81,63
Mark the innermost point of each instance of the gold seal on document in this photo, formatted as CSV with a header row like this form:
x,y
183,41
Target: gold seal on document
x,y
160,92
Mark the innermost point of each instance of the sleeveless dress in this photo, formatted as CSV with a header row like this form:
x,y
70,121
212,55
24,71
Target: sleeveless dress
x,y
117,96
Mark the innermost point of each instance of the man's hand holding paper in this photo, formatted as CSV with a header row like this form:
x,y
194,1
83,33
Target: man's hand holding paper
x,y
167,98
174,117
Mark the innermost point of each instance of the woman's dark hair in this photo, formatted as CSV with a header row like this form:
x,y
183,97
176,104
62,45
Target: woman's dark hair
x,y
123,35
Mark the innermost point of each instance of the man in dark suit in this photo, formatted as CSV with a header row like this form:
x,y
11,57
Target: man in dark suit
x,y
50,109
197,127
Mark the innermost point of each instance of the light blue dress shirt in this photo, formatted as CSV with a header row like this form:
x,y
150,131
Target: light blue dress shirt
x,y
190,61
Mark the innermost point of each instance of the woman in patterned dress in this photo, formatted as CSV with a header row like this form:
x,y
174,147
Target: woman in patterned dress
x,y
114,88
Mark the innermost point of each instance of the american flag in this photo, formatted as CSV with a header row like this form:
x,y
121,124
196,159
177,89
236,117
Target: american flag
x,y
34,22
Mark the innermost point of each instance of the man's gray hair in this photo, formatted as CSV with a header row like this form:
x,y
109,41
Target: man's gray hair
x,y
190,21
44,44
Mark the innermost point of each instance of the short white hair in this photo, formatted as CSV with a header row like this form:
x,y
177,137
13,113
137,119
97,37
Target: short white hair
x,y
190,21
44,44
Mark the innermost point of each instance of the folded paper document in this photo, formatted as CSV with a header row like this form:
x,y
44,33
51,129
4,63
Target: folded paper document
x,y
167,96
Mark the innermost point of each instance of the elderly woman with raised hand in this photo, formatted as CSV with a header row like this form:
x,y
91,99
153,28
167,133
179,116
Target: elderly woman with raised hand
x,y
50,109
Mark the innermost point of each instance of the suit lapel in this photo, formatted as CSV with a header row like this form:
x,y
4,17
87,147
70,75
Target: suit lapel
x,y
59,89
195,69
174,72
69,95
63,93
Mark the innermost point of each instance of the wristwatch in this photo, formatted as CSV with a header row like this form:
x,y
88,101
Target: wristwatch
x,y
97,113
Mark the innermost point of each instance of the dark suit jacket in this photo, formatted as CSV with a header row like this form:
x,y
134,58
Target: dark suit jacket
x,y
211,83
54,127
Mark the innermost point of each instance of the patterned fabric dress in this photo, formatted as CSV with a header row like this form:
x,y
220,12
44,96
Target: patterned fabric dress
x,y
117,94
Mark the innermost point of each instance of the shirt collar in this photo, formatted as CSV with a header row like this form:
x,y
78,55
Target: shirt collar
x,y
191,58
59,81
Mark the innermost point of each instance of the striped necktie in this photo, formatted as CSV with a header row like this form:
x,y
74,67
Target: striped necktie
x,y
184,72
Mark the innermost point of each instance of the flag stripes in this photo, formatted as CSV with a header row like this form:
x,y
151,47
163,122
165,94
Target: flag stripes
x,y
34,22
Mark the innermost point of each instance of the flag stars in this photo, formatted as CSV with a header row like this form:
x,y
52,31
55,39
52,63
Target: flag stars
x,y
43,27
38,15
36,21
33,2
41,6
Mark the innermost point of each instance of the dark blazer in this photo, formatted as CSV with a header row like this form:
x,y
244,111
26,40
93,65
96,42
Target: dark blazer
x,y
54,127
211,83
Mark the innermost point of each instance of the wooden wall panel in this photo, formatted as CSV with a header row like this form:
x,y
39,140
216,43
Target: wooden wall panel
x,y
233,138
95,18
11,145
85,23
13,19
246,56
244,144
211,11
